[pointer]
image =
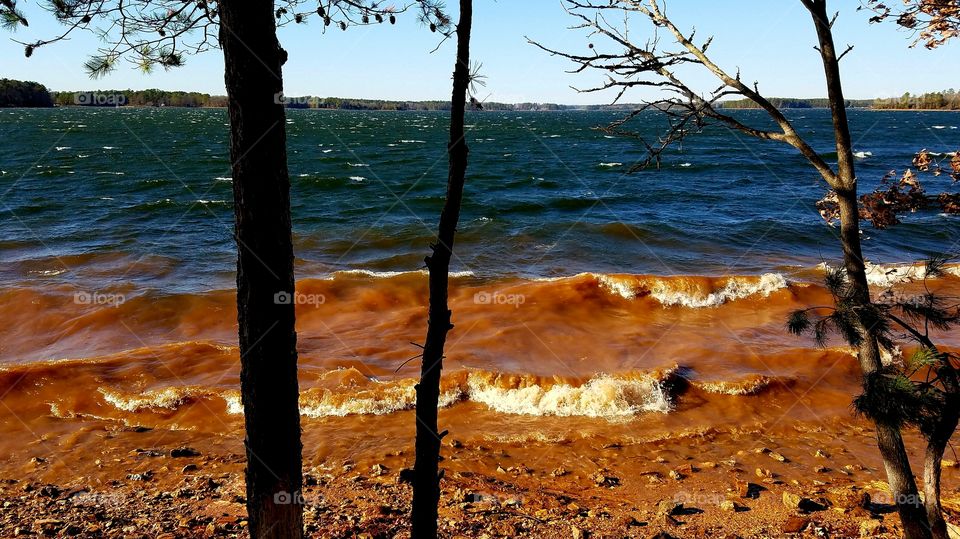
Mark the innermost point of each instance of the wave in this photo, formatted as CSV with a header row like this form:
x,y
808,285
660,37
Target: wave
x,y
753,384
169,398
391,274
602,396
887,275
350,393
693,292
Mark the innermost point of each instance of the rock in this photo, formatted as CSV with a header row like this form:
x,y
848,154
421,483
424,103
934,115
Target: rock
x,y
181,452
728,506
603,480
559,472
378,469
777,457
675,475
746,489
49,491
948,464
870,528
686,469
850,498
669,507
189,468
405,476
708,465
821,469
794,501
795,524
763,473
629,521
144,476
821,454
577,533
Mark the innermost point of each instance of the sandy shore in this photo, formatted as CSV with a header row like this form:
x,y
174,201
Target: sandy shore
x,y
719,484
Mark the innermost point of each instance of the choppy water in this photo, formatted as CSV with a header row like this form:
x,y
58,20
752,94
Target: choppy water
x,y
547,195
582,292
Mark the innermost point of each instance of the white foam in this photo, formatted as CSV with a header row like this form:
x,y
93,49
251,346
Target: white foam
x,y
602,396
669,294
736,288
613,164
168,398
389,274
862,155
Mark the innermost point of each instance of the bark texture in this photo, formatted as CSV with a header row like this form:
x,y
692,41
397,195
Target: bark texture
x,y
889,440
265,281
426,479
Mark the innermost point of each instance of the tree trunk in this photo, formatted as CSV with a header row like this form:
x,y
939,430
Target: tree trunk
x,y
426,480
265,282
889,439
931,486
937,439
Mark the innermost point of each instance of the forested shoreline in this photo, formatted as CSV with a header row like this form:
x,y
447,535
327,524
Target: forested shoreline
x,y
14,93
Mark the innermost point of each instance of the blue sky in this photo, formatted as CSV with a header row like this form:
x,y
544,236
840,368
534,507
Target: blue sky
x,y
771,41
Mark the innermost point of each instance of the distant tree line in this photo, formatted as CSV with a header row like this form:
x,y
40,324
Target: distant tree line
x,y
312,102
948,99
15,93
138,98
944,100
794,103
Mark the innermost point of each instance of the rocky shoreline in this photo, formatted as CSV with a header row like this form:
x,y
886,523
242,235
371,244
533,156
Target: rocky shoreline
x,y
183,492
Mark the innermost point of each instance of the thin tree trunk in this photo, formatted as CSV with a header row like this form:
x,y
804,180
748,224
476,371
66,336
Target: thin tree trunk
x,y
889,440
261,190
931,486
426,480
937,439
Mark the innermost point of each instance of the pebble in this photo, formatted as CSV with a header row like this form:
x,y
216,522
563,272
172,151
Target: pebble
x,y
795,524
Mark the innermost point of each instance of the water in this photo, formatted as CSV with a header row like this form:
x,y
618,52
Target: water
x,y
547,195
586,298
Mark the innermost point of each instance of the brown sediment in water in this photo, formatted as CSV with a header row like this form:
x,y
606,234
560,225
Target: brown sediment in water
x,y
632,377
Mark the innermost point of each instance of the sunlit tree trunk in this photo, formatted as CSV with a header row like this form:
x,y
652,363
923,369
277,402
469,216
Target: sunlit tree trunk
x,y
889,439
